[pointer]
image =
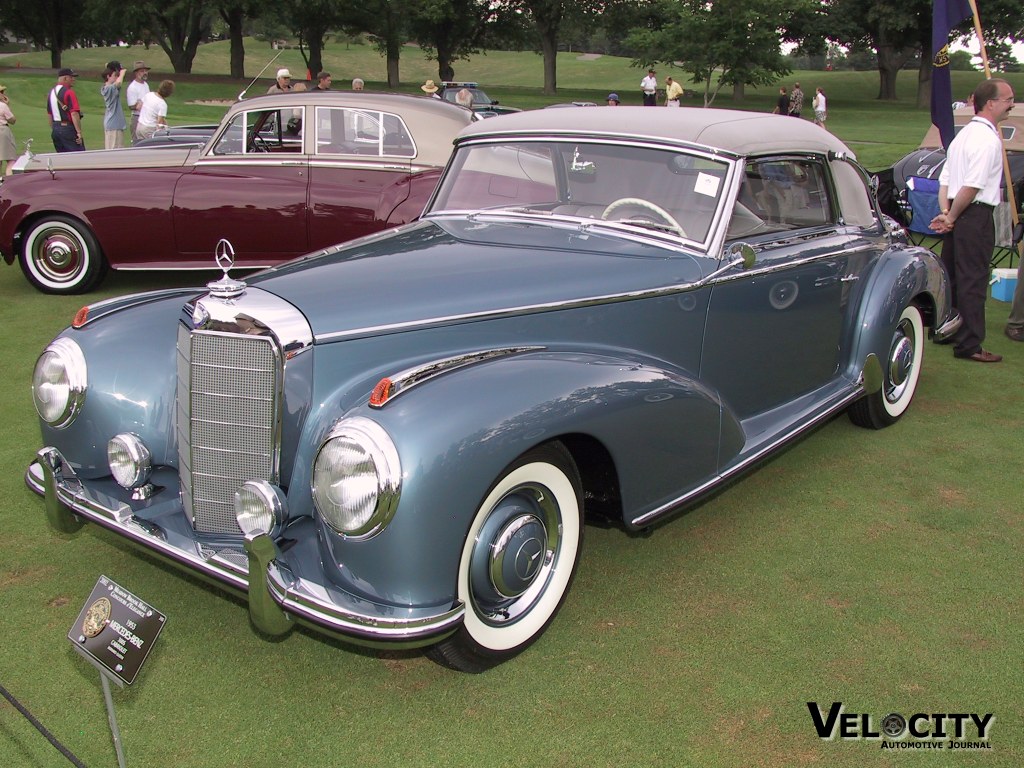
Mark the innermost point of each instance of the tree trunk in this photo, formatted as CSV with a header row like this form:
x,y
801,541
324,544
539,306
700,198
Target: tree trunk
x,y
549,47
394,52
738,93
888,68
234,17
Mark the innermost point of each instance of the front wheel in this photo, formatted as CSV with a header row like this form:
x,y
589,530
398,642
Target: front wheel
x,y
60,255
901,371
518,560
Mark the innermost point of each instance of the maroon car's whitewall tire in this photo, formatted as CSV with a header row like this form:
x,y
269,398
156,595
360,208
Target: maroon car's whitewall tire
x,y
60,255
518,560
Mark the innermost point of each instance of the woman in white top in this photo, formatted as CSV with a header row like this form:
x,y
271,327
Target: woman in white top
x,y
153,114
8,150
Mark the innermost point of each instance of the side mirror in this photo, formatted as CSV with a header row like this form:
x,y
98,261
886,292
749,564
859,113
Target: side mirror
x,y
742,253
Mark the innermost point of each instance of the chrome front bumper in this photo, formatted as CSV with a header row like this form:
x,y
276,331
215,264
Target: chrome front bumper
x,y
948,328
274,605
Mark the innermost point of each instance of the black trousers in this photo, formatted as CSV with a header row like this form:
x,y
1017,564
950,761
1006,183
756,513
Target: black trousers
x,y
967,255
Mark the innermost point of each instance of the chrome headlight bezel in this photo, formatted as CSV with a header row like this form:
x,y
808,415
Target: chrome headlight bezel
x,y
340,492
129,459
70,382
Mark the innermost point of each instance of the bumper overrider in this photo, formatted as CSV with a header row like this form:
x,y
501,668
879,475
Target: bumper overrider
x,y
278,595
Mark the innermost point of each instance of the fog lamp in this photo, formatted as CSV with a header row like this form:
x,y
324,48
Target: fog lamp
x,y
130,460
260,508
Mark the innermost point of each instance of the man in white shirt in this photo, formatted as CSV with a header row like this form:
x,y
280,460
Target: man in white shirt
x,y
969,191
649,86
136,89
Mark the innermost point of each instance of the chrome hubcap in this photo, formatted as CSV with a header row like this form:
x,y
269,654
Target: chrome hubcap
x,y
901,363
57,254
515,553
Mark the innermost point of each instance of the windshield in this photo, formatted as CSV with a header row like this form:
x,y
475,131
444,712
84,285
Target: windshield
x,y
647,187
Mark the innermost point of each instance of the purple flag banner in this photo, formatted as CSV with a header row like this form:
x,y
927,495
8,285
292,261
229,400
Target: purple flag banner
x,y
946,14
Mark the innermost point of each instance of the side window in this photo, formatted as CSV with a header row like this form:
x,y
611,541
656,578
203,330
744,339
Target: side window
x,y
232,141
262,131
781,195
341,131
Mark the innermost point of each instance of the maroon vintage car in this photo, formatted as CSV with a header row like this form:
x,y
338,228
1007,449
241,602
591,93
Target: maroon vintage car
x,y
283,175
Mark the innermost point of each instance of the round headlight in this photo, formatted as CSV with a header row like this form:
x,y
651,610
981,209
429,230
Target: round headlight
x,y
129,459
357,478
259,507
59,382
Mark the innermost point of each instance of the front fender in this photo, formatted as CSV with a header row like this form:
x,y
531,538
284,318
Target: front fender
x,y
456,433
901,276
130,359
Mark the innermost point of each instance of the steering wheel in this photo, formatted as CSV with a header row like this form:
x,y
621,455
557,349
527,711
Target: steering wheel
x,y
259,144
647,205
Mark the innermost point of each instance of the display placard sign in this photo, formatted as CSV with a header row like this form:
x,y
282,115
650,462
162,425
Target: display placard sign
x,y
116,629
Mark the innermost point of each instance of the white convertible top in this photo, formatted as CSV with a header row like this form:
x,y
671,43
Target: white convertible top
x,y
743,133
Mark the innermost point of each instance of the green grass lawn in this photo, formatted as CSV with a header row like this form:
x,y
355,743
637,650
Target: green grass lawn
x,y
879,569
879,132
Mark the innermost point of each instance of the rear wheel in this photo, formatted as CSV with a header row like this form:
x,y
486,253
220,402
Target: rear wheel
x,y
518,560
900,374
60,255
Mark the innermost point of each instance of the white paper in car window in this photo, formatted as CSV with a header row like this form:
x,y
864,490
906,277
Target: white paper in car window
x,y
706,185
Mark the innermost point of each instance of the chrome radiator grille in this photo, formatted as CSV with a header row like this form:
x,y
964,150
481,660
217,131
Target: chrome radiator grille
x,y
228,419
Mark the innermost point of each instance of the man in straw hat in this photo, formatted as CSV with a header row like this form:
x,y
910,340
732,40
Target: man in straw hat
x,y
430,89
136,90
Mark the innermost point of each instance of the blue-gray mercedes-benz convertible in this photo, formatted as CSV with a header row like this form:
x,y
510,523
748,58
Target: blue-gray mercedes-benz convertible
x,y
604,312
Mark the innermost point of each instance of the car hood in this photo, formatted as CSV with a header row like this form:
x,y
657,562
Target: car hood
x,y
440,271
129,157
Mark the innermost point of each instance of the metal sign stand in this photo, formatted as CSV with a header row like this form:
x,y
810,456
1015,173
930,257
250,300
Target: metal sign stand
x,y
115,732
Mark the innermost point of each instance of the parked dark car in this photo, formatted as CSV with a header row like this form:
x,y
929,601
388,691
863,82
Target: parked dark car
x,y
265,180
927,161
602,312
178,135
483,104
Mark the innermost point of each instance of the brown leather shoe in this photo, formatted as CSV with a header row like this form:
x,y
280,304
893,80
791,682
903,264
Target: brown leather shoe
x,y
1016,334
982,356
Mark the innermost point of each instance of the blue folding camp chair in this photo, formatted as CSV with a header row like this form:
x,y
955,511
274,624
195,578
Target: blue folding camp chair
x,y
923,200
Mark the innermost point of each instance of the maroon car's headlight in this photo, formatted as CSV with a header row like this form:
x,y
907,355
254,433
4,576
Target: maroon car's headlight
x,y
59,383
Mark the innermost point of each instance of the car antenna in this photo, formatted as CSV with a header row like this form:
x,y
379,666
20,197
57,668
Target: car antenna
x,y
250,85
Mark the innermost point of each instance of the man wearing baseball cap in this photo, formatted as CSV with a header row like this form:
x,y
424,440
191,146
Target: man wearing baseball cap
x,y
284,82
65,113
137,89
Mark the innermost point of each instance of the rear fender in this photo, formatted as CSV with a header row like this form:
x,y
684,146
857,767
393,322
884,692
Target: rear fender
x,y
901,276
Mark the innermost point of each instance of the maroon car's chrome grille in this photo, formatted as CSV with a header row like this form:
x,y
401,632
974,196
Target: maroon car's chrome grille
x,y
227,421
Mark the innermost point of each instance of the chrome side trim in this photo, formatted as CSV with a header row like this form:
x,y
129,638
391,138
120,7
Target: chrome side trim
x,y
843,401
525,309
794,263
412,377
298,597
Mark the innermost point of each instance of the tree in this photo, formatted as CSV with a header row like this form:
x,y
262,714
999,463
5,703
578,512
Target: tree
x,y
51,25
548,16
728,42
450,30
235,13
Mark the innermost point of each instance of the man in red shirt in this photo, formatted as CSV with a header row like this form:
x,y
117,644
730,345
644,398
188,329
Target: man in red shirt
x,y
65,113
